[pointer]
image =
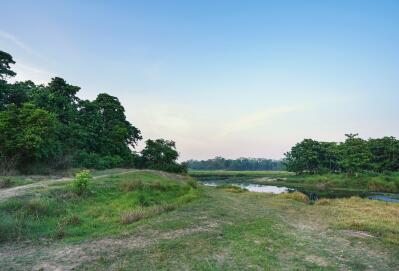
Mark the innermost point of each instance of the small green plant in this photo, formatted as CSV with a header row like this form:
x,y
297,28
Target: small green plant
x,y
81,181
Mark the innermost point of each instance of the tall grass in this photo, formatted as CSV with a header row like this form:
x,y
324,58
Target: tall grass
x,y
60,213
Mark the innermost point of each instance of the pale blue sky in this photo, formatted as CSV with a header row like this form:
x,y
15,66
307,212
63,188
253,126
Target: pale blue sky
x,y
230,78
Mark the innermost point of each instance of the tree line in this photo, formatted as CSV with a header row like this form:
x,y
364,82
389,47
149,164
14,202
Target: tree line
x,y
220,163
49,127
351,156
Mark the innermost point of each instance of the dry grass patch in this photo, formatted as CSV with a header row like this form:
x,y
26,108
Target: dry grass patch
x,y
297,196
141,212
133,216
378,218
323,202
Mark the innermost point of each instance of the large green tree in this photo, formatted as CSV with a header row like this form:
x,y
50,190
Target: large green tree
x,y
51,125
354,154
161,154
27,136
5,69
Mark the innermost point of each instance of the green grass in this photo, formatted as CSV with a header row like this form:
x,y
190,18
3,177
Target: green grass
x,y
98,212
231,188
12,181
114,228
252,231
368,182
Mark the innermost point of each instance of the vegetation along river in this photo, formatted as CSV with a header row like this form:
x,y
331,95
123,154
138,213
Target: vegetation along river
x,y
313,194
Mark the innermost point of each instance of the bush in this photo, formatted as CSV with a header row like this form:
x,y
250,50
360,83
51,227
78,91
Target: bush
x,y
81,181
297,196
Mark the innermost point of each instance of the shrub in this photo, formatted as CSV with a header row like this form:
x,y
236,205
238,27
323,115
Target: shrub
x,y
297,196
323,202
81,181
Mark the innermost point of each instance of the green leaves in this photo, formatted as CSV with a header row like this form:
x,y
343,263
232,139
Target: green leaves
x,y
51,126
161,154
82,181
5,61
351,156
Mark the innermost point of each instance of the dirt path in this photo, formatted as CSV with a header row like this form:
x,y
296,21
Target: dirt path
x,y
223,231
20,190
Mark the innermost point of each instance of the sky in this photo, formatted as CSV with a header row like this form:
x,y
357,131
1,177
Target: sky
x,y
221,78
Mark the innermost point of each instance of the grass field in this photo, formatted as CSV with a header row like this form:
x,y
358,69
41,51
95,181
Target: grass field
x,y
110,203
207,229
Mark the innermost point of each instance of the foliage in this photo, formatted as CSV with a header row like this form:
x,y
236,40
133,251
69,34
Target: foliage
x,y
161,154
220,163
49,127
81,181
5,61
352,156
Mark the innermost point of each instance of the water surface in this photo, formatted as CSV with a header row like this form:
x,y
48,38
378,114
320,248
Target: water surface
x,y
313,194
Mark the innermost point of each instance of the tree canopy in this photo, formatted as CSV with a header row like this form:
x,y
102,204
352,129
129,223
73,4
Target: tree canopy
x,y
352,156
50,127
220,163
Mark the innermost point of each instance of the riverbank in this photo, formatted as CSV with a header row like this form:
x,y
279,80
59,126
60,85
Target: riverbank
x,y
365,182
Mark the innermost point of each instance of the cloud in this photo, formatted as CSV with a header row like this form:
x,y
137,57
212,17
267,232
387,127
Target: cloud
x,y
18,43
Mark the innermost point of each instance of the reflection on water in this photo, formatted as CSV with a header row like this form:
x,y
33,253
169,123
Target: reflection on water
x,y
313,194
255,187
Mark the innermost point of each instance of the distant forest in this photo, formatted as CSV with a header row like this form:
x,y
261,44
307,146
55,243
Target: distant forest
x,y
46,127
352,156
220,163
